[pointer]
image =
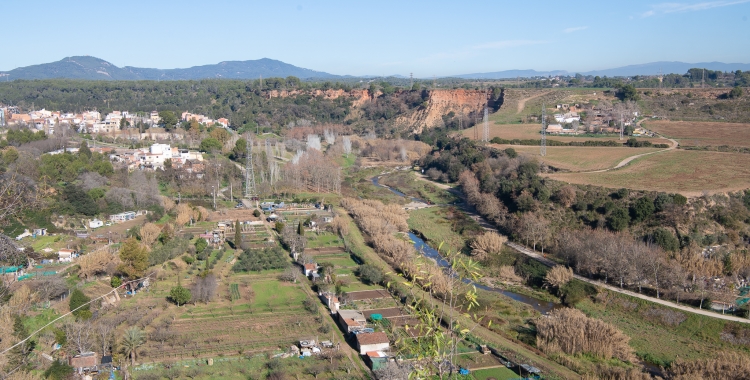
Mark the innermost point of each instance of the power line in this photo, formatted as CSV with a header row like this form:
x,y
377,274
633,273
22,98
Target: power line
x,y
70,312
544,131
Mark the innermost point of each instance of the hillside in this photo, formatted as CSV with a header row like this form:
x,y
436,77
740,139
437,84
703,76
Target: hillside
x,y
92,68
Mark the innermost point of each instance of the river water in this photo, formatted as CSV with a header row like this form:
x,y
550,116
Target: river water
x,y
541,306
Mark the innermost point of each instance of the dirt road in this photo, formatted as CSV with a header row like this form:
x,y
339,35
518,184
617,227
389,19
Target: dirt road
x,y
628,160
522,102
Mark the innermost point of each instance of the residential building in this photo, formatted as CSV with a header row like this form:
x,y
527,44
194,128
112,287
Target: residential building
x,y
96,223
122,217
377,341
351,320
66,255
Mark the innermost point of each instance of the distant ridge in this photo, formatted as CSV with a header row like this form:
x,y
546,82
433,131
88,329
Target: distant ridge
x,y
92,68
652,68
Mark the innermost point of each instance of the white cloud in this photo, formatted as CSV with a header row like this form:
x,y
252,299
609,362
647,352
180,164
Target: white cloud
x,y
664,8
507,44
574,29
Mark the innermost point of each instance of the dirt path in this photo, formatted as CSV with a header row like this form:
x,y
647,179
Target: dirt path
x,y
628,160
688,309
487,226
522,102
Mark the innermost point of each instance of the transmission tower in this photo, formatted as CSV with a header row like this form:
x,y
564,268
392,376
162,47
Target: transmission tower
x,y
621,127
250,192
544,131
411,81
486,126
703,78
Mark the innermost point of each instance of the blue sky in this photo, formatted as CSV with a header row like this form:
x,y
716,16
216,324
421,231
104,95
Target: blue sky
x,y
379,37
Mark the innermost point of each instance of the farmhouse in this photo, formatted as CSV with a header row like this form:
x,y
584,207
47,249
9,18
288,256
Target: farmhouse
x,y
84,362
554,128
66,255
96,223
310,269
376,341
122,217
351,320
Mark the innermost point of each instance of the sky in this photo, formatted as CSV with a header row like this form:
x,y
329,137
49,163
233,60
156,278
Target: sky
x,y
383,37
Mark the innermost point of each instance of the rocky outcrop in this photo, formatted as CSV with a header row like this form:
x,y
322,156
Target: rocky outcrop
x,y
469,103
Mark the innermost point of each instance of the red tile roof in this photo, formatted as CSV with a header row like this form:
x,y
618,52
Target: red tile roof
x,y
372,338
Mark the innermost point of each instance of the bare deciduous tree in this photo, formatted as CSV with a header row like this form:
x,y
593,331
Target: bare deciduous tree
x,y
486,244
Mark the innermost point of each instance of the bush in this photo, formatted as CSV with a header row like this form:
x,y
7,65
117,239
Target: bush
x,y
256,213
58,371
180,295
188,259
77,299
642,209
310,305
370,274
201,244
618,220
575,291
115,281
666,240
736,92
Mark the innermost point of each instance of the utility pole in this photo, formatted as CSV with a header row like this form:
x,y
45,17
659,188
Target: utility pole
x,y
703,78
621,132
544,131
411,81
250,173
214,191
486,125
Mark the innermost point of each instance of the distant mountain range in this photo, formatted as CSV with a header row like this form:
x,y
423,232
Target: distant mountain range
x,y
652,68
92,68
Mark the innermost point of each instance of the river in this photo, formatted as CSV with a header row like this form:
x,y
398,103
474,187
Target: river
x,y
541,306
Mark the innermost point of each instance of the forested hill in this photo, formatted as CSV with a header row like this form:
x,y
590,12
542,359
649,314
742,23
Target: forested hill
x,y
92,68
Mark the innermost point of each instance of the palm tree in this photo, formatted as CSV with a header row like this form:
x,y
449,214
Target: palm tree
x,y
132,339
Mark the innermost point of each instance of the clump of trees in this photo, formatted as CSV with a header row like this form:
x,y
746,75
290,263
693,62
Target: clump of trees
x,y
571,332
255,260
380,222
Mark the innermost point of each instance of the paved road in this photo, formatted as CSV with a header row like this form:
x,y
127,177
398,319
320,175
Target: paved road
x,y
673,305
535,255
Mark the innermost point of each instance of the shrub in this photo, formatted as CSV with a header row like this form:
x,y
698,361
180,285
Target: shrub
x,y
201,244
77,299
488,243
618,220
188,259
180,295
573,333
370,274
575,291
58,371
559,276
256,213
115,281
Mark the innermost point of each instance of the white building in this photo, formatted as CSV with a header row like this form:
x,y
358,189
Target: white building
x,y
96,223
376,341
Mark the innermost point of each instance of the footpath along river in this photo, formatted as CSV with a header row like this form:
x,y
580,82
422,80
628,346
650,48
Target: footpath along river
x,y
424,248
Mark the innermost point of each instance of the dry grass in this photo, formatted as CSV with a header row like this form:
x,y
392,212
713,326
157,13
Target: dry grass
x,y
577,158
724,366
685,172
700,133
573,333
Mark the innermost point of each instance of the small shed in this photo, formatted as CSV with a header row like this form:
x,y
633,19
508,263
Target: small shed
x,y
377,359
96,223
65,255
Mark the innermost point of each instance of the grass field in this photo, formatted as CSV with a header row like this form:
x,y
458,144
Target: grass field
x,y
433,225
692,133
323,240
407,183
686,172
577,158
499,373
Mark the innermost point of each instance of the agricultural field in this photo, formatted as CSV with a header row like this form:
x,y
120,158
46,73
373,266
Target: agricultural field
x,y
324,240
679,171
579,158
699,133
532,131
499,373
